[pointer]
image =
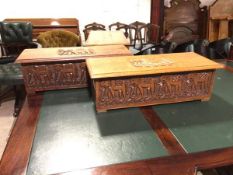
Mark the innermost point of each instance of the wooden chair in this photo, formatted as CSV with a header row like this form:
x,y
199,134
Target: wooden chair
x,y
186,13
134,34
92,26
140,34
120,26
146,30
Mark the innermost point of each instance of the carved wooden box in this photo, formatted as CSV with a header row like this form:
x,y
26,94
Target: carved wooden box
x,y
130,81
61,68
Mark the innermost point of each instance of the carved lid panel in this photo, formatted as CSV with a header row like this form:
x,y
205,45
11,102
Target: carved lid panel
x,y
148,64
70,53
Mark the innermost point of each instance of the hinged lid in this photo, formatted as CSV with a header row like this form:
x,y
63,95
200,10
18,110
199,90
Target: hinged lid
x,y
42,55
149,64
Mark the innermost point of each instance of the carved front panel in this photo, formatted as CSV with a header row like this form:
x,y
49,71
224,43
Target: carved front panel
x,y
54,76
155,89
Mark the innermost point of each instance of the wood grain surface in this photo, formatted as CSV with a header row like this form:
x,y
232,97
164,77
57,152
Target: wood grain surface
x,y
165,135
44,55
150,64
17,152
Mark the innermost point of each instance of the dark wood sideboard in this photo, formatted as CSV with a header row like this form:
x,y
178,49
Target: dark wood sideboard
x,y
45,24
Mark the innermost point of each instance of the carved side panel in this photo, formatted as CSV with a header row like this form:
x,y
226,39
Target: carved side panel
x,y
156,89
54,76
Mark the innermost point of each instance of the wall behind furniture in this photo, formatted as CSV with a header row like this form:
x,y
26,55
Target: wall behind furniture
x,y
87,11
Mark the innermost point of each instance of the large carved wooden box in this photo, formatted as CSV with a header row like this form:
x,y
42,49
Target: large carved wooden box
x,y
130,81
61,68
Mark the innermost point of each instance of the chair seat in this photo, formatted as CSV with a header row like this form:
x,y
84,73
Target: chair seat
x,y
11,74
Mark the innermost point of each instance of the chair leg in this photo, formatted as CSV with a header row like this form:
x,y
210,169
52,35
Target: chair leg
x,y
19,99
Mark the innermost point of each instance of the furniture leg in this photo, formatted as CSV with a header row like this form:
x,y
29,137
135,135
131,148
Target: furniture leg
x,y
19,99
205,99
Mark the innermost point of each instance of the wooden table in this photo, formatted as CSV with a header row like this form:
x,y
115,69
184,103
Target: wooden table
x,y
61,68
130,81
196,136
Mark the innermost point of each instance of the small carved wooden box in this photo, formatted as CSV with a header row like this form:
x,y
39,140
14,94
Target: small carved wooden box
x,y
130,81
61,68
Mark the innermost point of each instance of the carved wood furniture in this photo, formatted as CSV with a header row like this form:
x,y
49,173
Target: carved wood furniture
x,y
120,26
220,16
130,81
45,24
135,36
187,14
61,68
93,26
140,34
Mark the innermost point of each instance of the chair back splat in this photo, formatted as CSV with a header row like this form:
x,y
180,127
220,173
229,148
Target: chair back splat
x,y
120,26
92,26
140,34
